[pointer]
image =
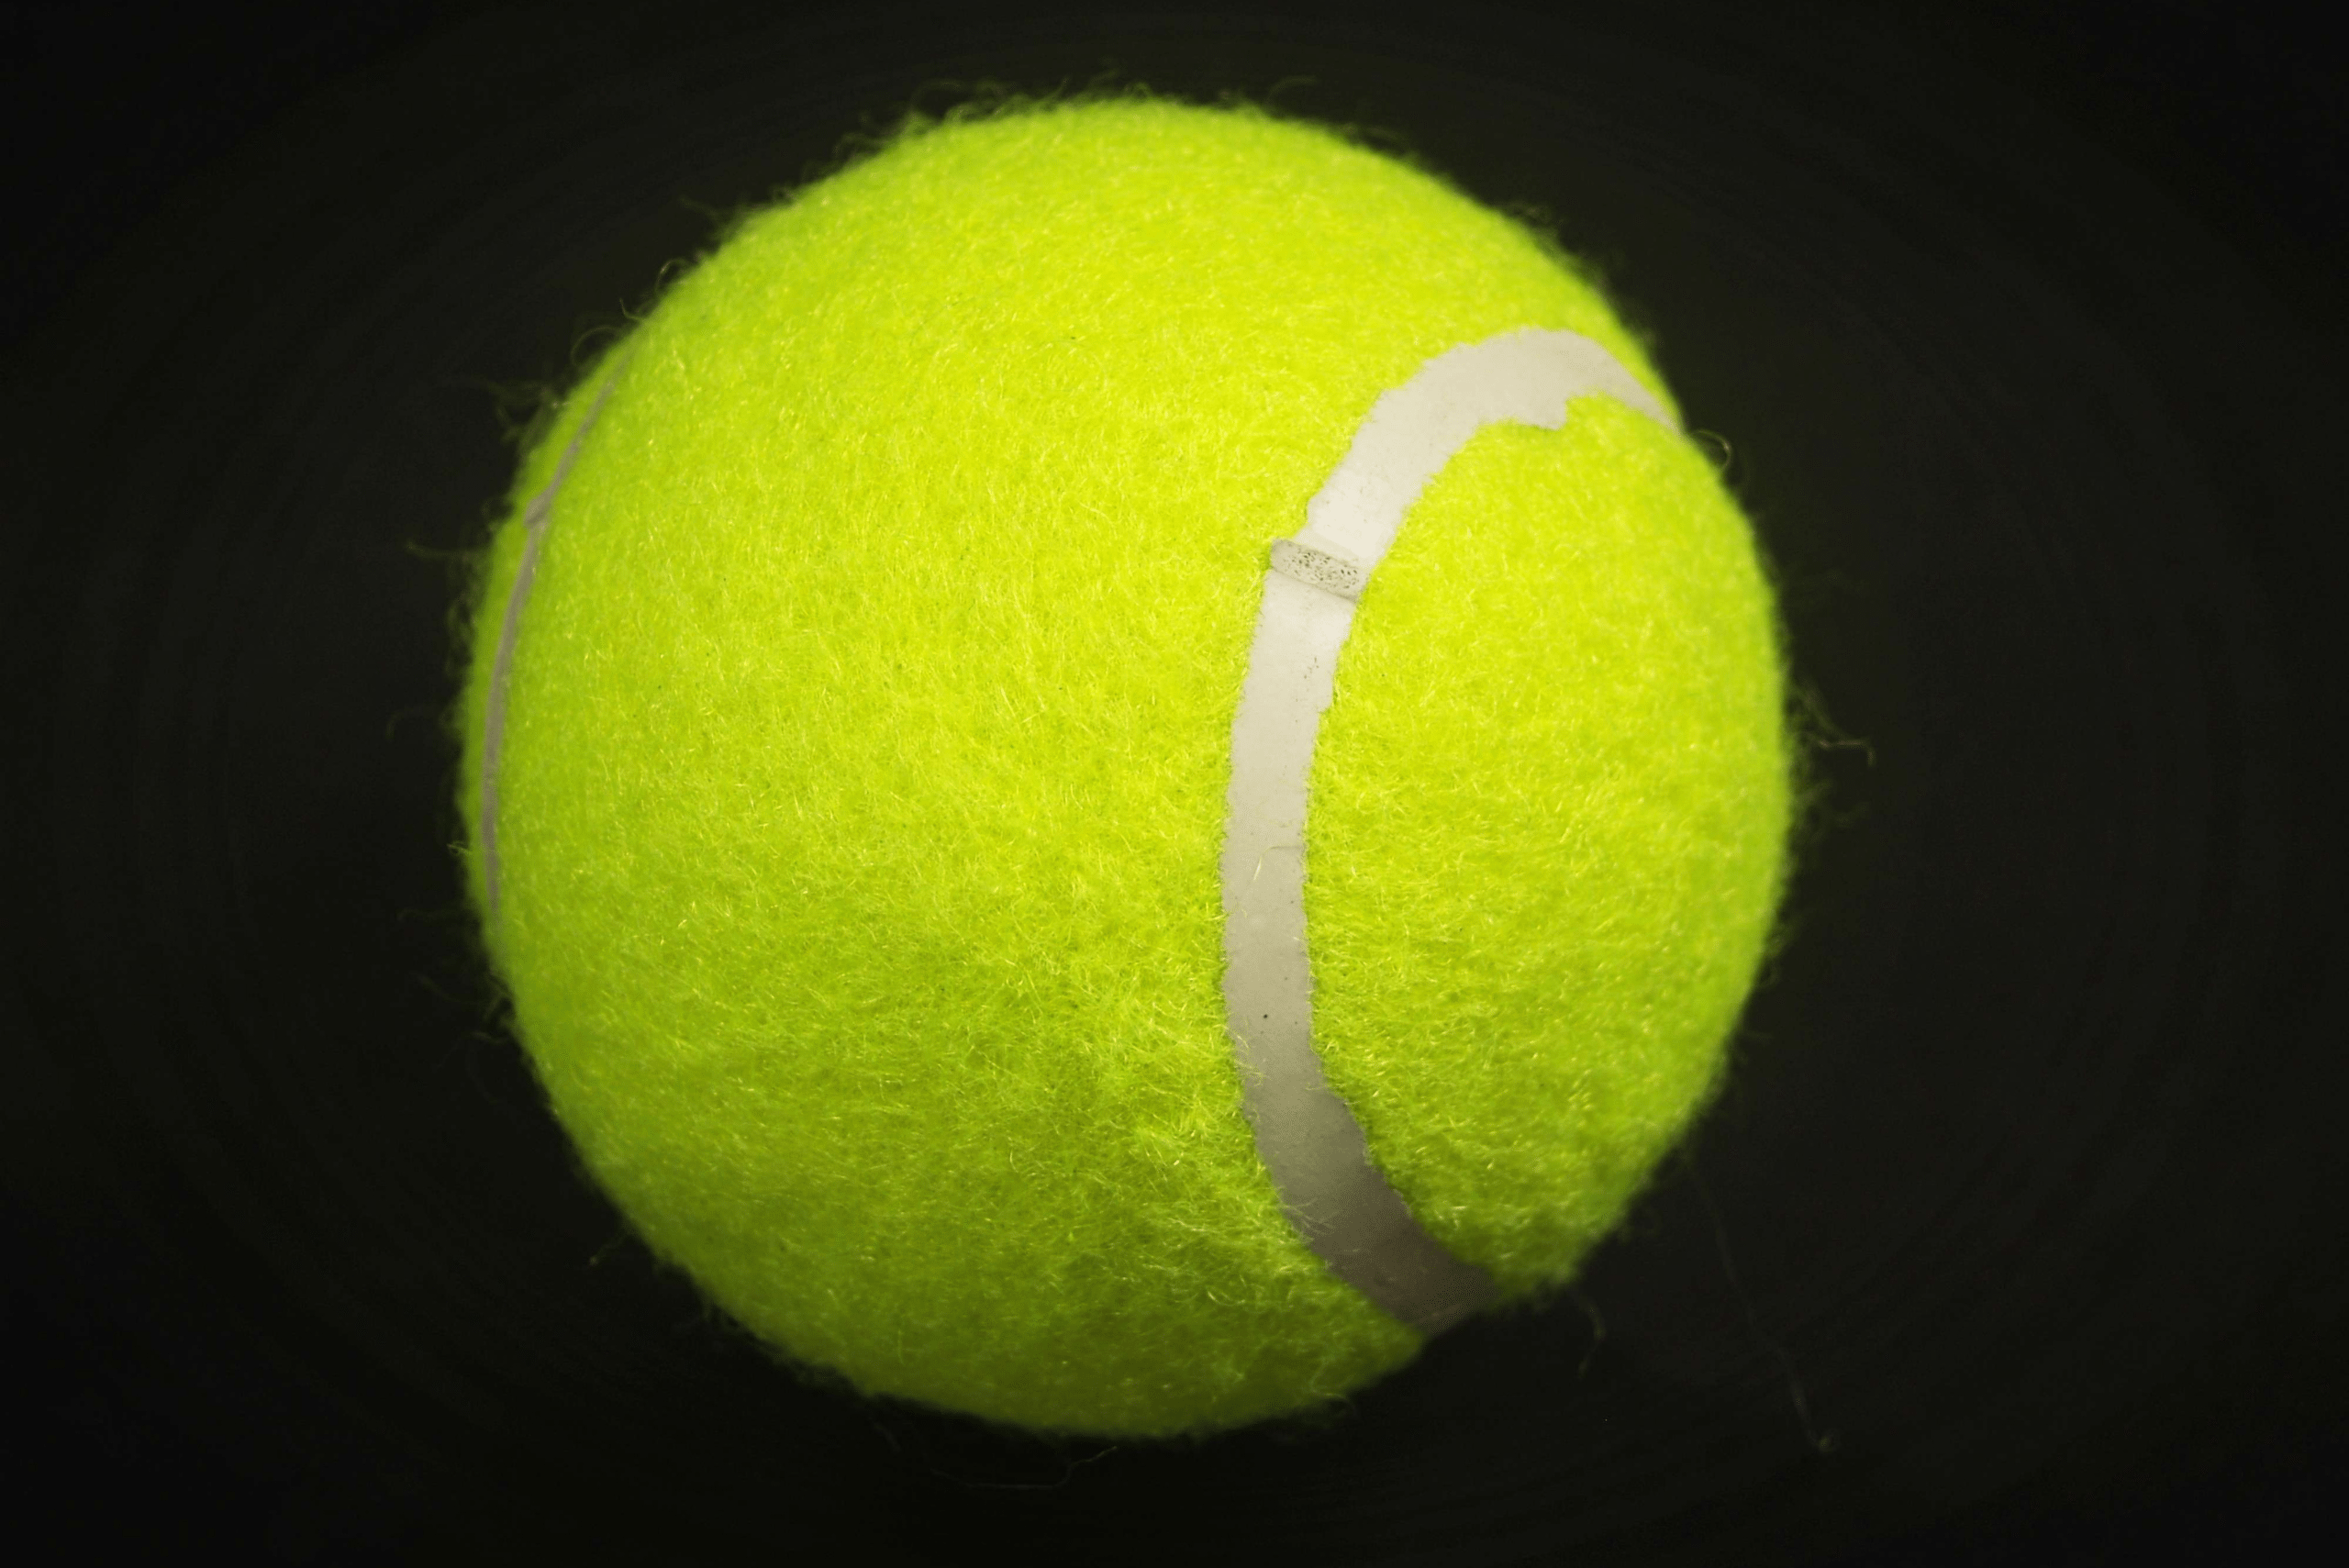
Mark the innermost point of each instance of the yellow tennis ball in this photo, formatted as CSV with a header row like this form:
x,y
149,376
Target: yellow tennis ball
x,y
1120,764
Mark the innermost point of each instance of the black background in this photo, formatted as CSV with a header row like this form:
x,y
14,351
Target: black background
x,y
2018,1234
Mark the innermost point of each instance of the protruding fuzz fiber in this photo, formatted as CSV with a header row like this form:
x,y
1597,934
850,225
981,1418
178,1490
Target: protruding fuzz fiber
x,y
863,777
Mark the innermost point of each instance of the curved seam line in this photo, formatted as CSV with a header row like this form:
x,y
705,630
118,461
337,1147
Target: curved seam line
x,y
1313,1146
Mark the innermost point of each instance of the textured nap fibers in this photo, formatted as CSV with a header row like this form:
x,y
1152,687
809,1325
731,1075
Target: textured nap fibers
x,y
863,775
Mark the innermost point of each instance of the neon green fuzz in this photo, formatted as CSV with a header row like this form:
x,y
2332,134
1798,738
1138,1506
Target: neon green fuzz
x,y
862,779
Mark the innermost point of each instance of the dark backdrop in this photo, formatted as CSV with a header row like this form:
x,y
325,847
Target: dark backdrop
x,y
2018,1235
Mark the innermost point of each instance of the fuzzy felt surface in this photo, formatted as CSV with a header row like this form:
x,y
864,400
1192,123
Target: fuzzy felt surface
x,y
863,783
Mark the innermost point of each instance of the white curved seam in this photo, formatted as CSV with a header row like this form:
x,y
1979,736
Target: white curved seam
x,y
1308,1136
492,725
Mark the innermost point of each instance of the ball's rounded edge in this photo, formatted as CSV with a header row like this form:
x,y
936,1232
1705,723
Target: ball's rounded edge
x,y
477,615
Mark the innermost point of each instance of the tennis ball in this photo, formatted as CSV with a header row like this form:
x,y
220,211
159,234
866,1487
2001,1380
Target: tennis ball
x,y
1120,763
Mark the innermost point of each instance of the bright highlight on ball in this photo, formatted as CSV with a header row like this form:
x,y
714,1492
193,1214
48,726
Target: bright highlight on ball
x,y
1120,763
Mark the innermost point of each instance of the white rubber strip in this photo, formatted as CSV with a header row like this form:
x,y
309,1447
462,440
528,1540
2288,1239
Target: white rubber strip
x,y
1307,1135
501,673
